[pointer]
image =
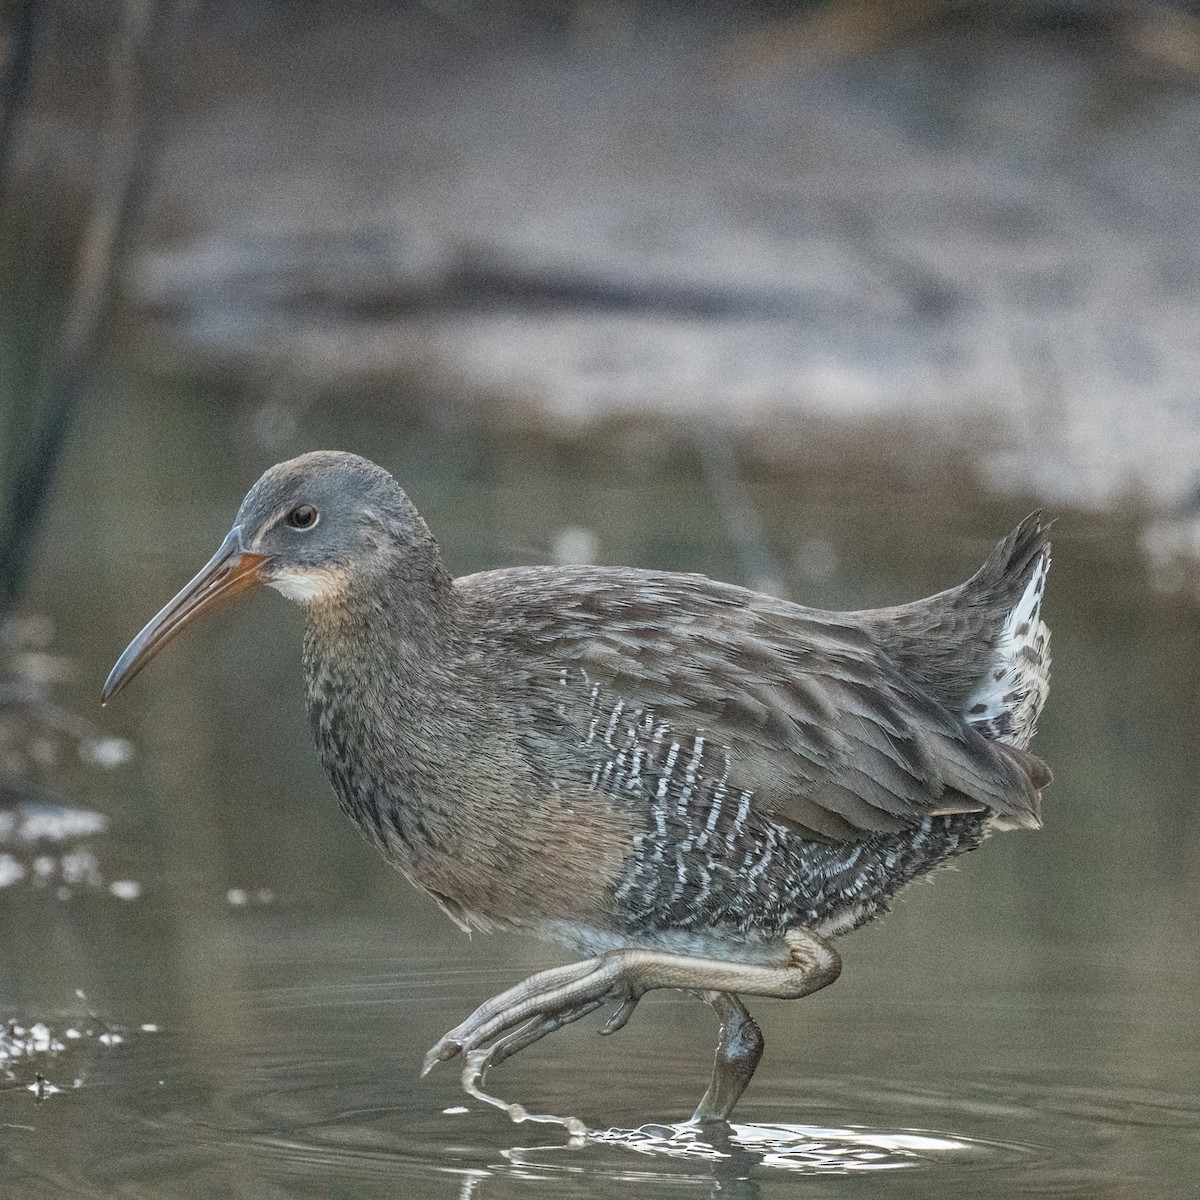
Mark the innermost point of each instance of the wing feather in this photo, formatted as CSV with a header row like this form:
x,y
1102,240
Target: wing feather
x,y
803,712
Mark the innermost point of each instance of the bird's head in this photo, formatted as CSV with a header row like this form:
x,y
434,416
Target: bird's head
x,y
314,528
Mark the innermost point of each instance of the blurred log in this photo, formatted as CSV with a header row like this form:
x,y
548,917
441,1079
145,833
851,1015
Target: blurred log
x,y
22,36
128,132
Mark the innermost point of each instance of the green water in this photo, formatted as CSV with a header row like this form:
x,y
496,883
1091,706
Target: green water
x,y
1032,1014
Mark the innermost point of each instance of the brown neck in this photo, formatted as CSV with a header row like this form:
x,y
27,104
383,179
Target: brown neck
x,y
387,709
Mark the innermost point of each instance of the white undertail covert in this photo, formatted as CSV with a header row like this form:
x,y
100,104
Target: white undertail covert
x,y
1006,705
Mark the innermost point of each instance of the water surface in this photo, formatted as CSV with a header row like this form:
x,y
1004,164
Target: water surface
x,y
258,993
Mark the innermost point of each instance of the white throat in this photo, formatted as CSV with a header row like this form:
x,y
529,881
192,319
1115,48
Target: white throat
x,y
305,584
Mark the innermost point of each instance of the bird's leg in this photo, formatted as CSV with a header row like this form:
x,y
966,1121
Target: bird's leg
x,y
626,975
738,1051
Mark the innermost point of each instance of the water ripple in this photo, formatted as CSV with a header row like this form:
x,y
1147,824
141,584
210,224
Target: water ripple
x,y
797,1149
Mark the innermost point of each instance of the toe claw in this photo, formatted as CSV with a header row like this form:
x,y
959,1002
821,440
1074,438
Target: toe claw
x,y
442,1052
620,1018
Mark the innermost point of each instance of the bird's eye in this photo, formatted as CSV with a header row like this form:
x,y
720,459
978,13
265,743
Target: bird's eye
x,y
303,516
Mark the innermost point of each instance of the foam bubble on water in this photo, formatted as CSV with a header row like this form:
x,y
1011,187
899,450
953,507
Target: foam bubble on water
x,y
80,867
56,823
11,871
106,752
575,546
30,1050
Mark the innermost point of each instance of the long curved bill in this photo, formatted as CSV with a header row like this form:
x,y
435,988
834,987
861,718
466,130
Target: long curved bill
x,y
231,570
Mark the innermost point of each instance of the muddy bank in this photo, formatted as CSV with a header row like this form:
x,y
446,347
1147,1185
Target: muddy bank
x,y
978,234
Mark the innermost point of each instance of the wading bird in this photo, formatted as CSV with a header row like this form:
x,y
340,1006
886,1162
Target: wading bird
x,y
689,784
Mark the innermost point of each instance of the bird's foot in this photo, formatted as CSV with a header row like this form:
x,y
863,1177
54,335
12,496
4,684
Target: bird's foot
x,y
525,1014
541,1004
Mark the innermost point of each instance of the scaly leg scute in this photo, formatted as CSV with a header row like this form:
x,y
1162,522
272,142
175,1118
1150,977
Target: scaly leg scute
x,y
738,1052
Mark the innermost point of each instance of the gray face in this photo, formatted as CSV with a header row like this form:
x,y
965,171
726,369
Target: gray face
x,y
323,516
309,528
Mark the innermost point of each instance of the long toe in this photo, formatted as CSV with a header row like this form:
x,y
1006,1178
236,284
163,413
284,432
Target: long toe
x,y
556,995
